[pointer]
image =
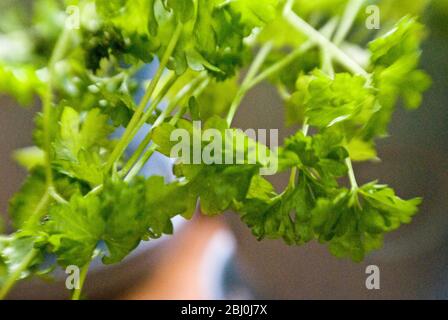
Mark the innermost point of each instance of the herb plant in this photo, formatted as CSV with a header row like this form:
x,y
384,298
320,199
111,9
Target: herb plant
x,y
340,83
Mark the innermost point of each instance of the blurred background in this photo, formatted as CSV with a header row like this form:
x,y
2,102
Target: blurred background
x,y
218,258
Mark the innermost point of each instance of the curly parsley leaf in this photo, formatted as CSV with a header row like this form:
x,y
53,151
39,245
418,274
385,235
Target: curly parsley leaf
x,y
395,58
14,250
354,223
20,82
74,229
328,101
81,143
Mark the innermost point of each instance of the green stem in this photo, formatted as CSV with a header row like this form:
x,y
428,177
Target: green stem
x,y
141,148
46,114
351,174
303,27
137,154
147,155
348,19
305,127
95,191
15,276
327,59
170,82
292,178
146,141
283,63
244,88
56,196
141,162
82,278
278,66
58,52
130,130
149,152
350,13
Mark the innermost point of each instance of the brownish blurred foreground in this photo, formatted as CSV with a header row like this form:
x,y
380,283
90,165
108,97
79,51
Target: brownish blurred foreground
x,y
178,274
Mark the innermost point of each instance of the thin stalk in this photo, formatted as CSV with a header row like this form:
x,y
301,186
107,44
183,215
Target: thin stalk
x,y
305,127
95,191
142,121
177,116
351,174
46,114
82,278
327,59
348,19
283,63
350,13
288,6
198,90
178,99
57,54
303,27
170,82
15,276
141,162
292,178
171,106
244,88
137,154
128,134
147,155
134,171
56,196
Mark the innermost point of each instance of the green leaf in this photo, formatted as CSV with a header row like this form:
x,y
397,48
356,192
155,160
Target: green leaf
x,y
162,136
153,25
394,60
218,186
31,202
182,9
353,223
360,150
14,250
30,157
132,16
140,210
166,201
395,210
123,211
345,98
404,39
216,99
21,82
80,145
286,216
254,13
25,203
74,229
323,153
260,188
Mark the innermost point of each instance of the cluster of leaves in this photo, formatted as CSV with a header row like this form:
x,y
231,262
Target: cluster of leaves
x,y
212,31
394,61
83,196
